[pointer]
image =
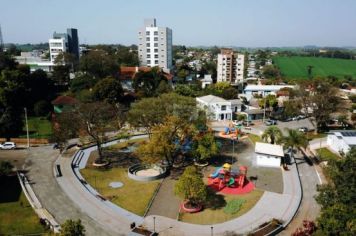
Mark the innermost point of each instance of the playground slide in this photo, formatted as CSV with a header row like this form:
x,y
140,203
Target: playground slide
x,y
241,181
216,173
231,181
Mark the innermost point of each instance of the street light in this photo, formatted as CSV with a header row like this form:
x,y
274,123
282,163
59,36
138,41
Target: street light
x,y
212,230
154,224
28,136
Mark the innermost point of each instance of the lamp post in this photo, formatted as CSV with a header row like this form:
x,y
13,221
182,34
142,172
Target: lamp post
x,y
154,224
212,230
28,136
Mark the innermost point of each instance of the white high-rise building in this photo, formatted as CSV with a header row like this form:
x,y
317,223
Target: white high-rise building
x,y
230,67
155,46
57,46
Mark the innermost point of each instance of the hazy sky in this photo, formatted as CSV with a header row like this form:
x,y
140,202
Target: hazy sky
x,y
247,23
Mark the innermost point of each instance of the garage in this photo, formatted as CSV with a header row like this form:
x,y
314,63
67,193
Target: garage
x,y
268,155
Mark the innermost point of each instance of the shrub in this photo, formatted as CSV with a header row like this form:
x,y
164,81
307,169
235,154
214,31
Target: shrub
x,y
233,206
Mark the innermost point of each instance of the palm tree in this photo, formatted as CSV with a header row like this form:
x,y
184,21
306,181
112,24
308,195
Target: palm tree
x,y
295,139
273,134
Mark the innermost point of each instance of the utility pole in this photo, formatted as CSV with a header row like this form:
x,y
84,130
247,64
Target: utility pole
x,y
28,136
1,41
264,110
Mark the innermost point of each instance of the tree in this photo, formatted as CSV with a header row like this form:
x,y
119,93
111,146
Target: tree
x,y
336,198
42,108
291,108
272,134
149,112
81,82
295,139
270,101
270,71
5,168
68,59
321,99
93,119
205,147
145,83
99,64
165,141
191,187
60,74
109,90
308,229
163,87
72,228
342,119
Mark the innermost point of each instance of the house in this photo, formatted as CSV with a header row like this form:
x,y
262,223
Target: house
x,y
263,90
341,140
206,81
63,103
268,155
218,108
127,74
253,113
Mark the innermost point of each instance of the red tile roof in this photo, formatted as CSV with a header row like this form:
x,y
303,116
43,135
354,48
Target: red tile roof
x,y
64,100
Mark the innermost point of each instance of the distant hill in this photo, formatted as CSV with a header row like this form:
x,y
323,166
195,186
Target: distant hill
x,y
295,67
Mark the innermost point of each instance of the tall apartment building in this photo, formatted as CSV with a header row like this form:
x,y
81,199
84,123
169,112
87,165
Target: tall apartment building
x,y
64,42
230,66
155,45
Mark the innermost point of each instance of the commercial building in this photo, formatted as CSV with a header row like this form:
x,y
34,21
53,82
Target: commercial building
x,y
230,67
341,140
218,108
64,42
155,46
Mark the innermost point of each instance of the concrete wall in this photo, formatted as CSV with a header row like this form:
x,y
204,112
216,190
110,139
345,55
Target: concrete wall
x,y
267,161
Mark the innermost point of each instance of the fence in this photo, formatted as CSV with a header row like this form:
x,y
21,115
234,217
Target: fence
x,y
33,141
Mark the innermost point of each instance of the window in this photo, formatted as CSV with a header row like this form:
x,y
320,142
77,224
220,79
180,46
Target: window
x,y
156,39
156,50
148,39
148,61
223,107
156,55
148,55
147,44
156,61
148,50
156,44
147,32
156,33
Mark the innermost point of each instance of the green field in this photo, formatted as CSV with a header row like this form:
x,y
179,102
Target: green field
x,y
296,67
16,215
39,127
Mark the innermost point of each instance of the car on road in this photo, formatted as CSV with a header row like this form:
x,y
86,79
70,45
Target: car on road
x,y
270,122
8,145
303,129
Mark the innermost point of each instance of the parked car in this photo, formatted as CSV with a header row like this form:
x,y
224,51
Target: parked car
x,y
303,129
8,145
270,122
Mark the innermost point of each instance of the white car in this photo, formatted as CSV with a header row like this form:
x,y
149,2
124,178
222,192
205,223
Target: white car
x,y
8,145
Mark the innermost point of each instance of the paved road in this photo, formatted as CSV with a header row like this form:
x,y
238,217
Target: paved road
x,y
309,209
40,165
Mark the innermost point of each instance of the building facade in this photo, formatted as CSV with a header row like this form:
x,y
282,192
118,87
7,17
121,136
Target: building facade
x,y
341,140
230,67
64,42
155,46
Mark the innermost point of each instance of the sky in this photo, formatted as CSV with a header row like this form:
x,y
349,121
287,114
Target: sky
x,y
241,23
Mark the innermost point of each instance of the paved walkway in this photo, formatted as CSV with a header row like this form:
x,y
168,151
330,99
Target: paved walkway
x,y
40,165
113,218
165,203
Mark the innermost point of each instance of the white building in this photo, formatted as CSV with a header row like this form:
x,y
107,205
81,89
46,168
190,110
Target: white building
x,y
57,46
341,140
268,155
263,90
218,108
230,67
206,81
155,46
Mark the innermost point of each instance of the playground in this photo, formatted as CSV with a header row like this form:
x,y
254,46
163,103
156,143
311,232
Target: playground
x,y
233,182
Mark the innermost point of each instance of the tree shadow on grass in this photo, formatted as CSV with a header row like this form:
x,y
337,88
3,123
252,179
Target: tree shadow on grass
x,y
10,189
214,201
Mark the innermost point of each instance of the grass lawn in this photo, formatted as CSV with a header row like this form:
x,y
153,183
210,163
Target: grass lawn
x,y
39,127
134,196
254,138
296,67
312,135
214,216
16,214
327,155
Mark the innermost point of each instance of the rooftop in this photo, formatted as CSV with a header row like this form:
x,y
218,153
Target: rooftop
x,y
64,100
211,98
349,136
269,149
266,87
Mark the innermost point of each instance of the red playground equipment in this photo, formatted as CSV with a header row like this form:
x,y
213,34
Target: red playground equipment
x,y
230,181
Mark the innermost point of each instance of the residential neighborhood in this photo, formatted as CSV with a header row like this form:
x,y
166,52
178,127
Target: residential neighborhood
x,y
177,118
